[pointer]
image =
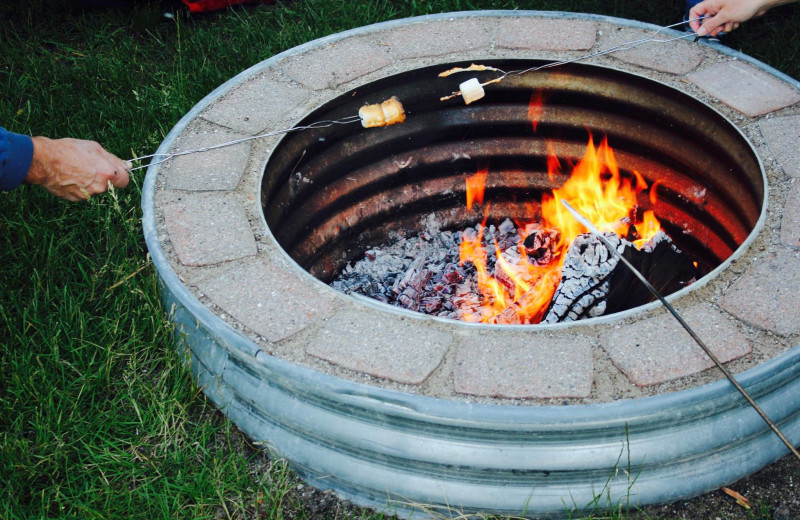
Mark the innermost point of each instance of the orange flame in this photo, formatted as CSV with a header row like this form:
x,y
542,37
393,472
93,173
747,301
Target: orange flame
x,y
476,184
520,291
647,228
493,292
654,192
553,164
597,191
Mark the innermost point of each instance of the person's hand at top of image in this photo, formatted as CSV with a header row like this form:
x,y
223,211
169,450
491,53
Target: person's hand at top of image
x,y
726,15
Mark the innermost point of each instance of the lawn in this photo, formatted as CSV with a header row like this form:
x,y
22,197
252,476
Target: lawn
x,y
98,418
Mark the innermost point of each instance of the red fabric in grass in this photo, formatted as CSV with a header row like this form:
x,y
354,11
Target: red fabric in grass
x,y
203,6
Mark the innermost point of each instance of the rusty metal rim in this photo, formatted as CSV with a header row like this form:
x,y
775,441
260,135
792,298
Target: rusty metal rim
x,y
390,450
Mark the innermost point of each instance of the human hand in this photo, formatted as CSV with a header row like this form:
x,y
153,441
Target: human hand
x,y
727,15
75,169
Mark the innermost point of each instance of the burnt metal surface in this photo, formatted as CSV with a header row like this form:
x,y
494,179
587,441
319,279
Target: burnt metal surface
x,y
330,194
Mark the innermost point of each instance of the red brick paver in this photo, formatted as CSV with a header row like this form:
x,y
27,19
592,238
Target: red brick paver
x,y
790,223
658,349
437,38
208,230
767,295
404,350
547,34
219,169
745,87
336,64
782,135
271,301
519,365
676,57
255,105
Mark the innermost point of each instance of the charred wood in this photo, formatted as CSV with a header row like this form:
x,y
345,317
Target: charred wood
x,y
422,273
585,279
661,263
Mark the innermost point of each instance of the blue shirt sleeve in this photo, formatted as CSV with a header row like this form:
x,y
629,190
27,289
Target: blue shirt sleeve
x,y
16,155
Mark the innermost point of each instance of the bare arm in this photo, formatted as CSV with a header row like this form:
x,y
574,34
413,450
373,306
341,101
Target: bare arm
x,y
75,169
727,15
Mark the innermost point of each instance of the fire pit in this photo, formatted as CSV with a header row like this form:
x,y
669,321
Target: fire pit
x,y
332,193
394,409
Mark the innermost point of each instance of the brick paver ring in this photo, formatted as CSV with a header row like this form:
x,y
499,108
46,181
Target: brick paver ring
x,y
392,409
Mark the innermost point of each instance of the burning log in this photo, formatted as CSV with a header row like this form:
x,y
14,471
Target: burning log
x,y
662,264
585,279
594,283
520,311
541,244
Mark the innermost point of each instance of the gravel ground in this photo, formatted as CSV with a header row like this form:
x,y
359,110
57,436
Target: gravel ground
x,y
773,492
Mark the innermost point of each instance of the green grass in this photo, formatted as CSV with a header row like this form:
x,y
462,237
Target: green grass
x,y
98,418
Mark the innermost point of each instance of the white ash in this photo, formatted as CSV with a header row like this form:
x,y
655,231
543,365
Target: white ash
x,y
585,278
422,272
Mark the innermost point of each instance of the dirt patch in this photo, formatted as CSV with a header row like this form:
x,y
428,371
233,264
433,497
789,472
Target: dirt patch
x,y
774,494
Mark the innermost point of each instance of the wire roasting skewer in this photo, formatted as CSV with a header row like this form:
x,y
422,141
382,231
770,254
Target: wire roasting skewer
x,y
475,93
593,229
158,158
504,74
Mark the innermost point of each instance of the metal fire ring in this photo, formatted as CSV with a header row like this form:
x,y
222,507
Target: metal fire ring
x,y
398,451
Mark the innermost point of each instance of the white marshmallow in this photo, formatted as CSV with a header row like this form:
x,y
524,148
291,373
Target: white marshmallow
x,y
471,90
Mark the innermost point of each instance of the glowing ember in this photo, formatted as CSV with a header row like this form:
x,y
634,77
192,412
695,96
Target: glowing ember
x,y
536,108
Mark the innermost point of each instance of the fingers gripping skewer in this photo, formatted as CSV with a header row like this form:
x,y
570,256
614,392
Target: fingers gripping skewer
x,y
580,218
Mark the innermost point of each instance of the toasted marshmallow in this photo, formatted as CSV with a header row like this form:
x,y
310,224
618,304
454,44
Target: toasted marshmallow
x,y
382,114
471,90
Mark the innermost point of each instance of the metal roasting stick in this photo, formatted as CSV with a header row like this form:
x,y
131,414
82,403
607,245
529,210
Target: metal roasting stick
x,y
591,227
163,157
621,47
158,158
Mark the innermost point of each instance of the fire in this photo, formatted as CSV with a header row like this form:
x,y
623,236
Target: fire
x,y
493,292
647,228
520,291
599,193
476,185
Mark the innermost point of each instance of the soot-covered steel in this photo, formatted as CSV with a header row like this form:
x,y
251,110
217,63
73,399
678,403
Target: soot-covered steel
x,y
330,194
